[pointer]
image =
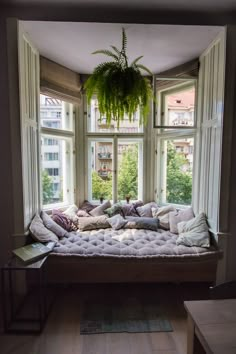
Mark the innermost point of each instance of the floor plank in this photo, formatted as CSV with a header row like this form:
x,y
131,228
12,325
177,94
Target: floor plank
x,y
61,334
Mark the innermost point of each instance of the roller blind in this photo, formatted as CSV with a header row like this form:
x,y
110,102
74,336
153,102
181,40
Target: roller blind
x,y
59,82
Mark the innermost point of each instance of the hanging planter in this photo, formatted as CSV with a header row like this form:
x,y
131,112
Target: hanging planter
x,y
120,88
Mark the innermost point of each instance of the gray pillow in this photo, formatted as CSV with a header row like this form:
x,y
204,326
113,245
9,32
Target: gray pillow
x,y
99,210
141,223
52,225
146,209
93,223
117,221
163,215
39,232
114,209
194,232
178,216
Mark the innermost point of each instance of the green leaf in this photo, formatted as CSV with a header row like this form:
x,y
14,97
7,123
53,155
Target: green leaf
x,y
140,66
136,60
106,52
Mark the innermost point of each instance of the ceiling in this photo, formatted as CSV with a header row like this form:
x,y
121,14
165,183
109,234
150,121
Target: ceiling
x,y
163,46
193,5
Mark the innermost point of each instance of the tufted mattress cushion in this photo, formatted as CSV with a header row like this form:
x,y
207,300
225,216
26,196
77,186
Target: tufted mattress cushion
x,y
135,244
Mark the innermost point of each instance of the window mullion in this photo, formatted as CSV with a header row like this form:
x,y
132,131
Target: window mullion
x,y
115,168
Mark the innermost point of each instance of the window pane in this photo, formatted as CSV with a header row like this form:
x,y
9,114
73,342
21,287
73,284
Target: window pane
x,y
179,108
97,124
177,161
100,169
55,113
129,169
57,184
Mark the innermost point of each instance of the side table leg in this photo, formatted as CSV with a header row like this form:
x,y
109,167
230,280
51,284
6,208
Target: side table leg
x,y
190,336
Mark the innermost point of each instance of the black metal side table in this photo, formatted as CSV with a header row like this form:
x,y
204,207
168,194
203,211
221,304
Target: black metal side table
x,y
13,319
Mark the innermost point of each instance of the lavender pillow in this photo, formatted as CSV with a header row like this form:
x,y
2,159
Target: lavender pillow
x,y
137,204
99,210
52,225
87,206
146,209
129,210
62,220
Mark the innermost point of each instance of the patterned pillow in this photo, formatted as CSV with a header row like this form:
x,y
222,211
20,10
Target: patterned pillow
x,y
62,220
163,215
82,213
114,209
87,206
71,213
93,223
177,216
141,223
146,209
117,222
99,210
129,210
53,226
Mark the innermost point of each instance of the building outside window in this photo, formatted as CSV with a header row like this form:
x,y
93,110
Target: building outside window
x,y
175,143
57,141
115,163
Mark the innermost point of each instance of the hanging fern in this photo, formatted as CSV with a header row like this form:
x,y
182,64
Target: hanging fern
x,y
121,89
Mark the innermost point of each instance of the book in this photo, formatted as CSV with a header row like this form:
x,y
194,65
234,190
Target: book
x,y
33,251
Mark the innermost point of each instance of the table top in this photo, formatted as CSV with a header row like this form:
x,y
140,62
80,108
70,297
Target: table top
x,y
16,264
215,322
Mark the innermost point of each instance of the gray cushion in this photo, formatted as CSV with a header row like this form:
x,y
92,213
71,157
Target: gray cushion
x,y
52,225
39,232
117,221
114,209
146,209
93,223
163,215
194,232
99,210
141,223
178,216
129,210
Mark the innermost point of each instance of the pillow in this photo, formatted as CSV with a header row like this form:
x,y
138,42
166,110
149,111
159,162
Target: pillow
x,y
117,222
141,223
114,209
39,232
99,210
82,213
129,210
52,225
62,220
93,223
146,209
71,213
87,206
177,216
163,215
138,203
194,232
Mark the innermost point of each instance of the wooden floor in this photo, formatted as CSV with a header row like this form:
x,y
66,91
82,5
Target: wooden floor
x,y
61,334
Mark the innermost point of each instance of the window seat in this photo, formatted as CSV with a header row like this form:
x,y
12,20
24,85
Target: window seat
x,y
138,255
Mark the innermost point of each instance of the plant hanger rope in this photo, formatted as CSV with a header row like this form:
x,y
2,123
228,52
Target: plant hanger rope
x,y
120,89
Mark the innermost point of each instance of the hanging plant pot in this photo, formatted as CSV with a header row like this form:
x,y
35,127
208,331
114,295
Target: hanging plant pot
x,y
120,88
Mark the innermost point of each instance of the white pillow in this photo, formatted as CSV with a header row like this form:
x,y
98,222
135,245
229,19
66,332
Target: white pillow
x,y
194,232
163,215
71,213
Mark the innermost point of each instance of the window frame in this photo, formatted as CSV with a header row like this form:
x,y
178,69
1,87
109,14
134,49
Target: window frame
x,y
116,136
164,132
69,137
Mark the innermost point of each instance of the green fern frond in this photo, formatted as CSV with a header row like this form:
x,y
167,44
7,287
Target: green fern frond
x,y
136,60
115,49
106,52
124,41
140,66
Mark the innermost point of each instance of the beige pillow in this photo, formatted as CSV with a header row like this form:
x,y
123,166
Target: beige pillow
x,y
99,210
178,216
163,215
39,232
93,223
194,232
